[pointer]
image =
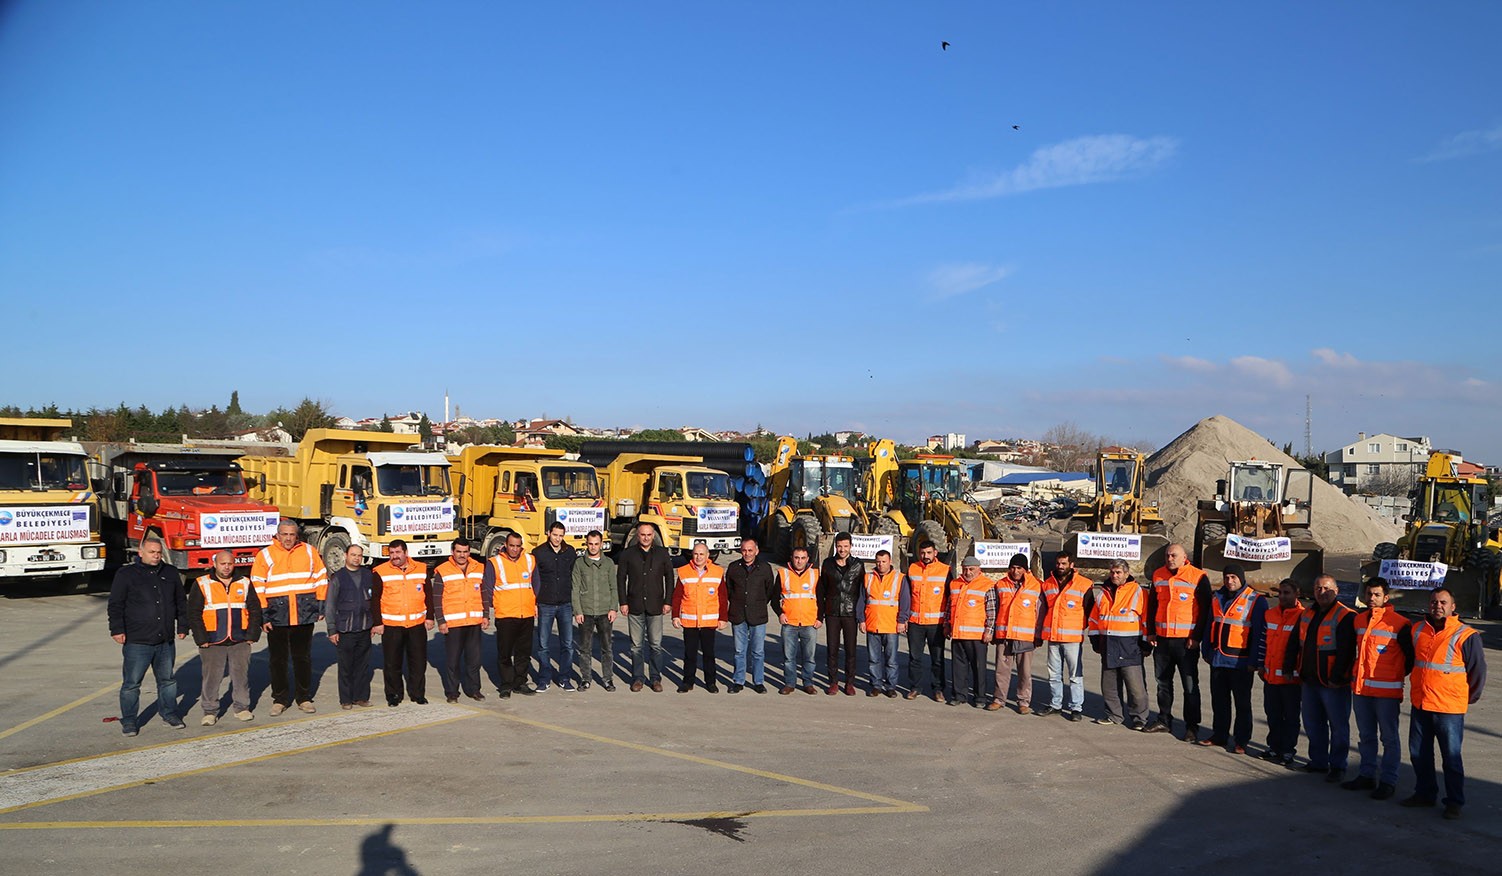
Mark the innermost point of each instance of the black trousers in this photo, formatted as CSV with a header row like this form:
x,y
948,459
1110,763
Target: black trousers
x,y
595,625
969,657
461,653
1170,657
1228,686
353,653
696,641
1281,703
296,642
513,651
920,674
409,646
835,629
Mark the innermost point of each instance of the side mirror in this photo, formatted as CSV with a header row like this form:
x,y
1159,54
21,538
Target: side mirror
x,y
261,481
149,504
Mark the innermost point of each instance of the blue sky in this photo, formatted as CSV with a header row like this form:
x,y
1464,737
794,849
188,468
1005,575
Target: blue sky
x,y
801,215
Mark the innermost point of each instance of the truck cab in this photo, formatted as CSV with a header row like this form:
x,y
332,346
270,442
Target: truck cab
x,y
49,516
685,501
525,490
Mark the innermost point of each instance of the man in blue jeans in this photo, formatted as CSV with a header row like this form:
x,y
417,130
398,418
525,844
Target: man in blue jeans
x,y
750,584
795,600
1325,642
1449,673
147,606
554,586
1384,657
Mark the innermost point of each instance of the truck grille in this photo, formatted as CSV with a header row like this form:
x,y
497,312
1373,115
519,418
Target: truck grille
x,y
1426,546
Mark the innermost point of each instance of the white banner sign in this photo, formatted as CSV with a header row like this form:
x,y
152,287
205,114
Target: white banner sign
x,y
866,546
719,518
579,521
425,518
1109,546
1413,575
997,554
232,529
1257,550
33,524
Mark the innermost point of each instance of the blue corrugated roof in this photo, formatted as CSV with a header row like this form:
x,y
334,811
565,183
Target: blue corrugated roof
x,y
1028,477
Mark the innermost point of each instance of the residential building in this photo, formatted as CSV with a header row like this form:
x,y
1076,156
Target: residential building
x,y
1377,458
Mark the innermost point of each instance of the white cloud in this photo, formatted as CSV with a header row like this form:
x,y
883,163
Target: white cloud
x,y
1081,161
1466,144
947,281
1337,360
1474,383
1259,368
1190,363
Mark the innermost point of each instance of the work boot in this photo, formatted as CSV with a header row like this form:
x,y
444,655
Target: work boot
x,y
786,689
1384,792
1360,783
910,695
993,706
636,686
849,689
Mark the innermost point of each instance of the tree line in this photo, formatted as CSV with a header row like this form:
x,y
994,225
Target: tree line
x,y
141,423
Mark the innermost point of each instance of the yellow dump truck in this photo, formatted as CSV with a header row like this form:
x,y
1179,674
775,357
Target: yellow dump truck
x,y
367,488
524,490
685,501
49,515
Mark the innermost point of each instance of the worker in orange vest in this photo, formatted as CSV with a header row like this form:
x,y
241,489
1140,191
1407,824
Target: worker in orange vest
x,y
1178,610
224,613
1326,646
1449,673
928,581
292,581
1384,657
883,607
795,601
701,606
459,603
1233,648
1019,631
1281,691
1064,595
1117,626
970,625
508,594
401,590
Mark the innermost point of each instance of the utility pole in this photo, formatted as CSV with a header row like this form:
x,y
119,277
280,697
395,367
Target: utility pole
x,y
1308,431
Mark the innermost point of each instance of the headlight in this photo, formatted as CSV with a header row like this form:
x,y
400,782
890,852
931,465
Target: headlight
x,y
2,556
92,553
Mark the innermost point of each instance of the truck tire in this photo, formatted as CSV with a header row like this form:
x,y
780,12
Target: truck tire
x,y
332,547
492,545
781,533
1482,560
806,532
1385,551
1213,532
1300,533
930,530
1155,527
887,526
1075,524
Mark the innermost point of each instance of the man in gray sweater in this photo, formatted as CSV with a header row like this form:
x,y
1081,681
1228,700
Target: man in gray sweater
x,y
594,602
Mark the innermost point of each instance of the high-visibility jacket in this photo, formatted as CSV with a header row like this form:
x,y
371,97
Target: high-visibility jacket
x,y
512,592
1439,675
1380,662
1017,608
1065,621
928,597
800,592
700,599
967,610
1119,614
463,605
1173,593
1231,625
882,601
224,614
292,583
1281,622
1326,642
404,594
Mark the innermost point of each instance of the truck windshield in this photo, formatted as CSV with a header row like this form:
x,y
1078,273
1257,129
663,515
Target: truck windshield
x,y
1451,503
412,480
808,478
1117,475
1255,484
200,483
841,480
569,483
42,471
942,481
709,485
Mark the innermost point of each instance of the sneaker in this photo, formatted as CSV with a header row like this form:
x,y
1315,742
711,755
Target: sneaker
x,y
608,686
583,685
1360,783
208,721
1417,802
1384,792
307,706
1452,811
174,723
1136,725
247,714
1045,711
1076,717
277,709
505,694
1156,727
786,689
567,687
542,688
759,687
526,690
127,730
1102,721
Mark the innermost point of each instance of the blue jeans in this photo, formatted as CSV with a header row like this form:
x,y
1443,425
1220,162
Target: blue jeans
x,y
160,659
547,617
1327,725
881,650
1062,657
1424,729
1377,718
756,638
797,653
646,630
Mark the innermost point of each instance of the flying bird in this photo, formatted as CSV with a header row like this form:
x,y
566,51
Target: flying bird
x,y
1016,127
944,46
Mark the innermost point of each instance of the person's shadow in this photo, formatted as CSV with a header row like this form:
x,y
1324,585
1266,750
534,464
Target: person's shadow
x,y
380,856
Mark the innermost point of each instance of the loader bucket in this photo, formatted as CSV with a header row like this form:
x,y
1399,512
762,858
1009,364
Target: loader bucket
x,y
1306,563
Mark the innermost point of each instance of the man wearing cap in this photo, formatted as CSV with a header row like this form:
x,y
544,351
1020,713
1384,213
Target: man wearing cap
x,y
972,620
1234,650
1117,626
1019,631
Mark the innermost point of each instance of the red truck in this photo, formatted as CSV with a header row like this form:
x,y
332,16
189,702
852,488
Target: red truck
x,y
194,498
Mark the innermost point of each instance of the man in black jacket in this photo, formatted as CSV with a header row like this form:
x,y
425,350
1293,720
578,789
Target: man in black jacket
x,y
750,585
644,582
554,586
147,604
840,581
350,613
1325,645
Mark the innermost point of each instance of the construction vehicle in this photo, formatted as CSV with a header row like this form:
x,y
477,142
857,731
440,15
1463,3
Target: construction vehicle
x,y
367,488
1449,523
684,501
194,499
1120,506
1260,500
933,505
49,518
525,490
811,499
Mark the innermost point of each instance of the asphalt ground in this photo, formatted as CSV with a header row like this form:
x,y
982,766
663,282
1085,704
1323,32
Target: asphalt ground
x,y
600,782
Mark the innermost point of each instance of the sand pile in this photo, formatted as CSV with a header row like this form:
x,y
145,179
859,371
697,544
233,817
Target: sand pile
x,y
1186,470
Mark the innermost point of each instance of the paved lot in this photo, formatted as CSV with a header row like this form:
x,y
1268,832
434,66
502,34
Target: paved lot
x,y
614,782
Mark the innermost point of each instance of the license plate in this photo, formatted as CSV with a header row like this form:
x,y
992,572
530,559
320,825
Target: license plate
x,y
45,557
431,549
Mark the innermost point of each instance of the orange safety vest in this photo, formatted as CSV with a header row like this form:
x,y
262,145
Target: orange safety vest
x,y
512,595
1281,623
1065,621
1231,627
1121,614
462,603
1017,608
800,596
967,608
404,595
224,606
883,596
1380,666
698,603
1439,677
927,583
1174,593
282,574
1325,658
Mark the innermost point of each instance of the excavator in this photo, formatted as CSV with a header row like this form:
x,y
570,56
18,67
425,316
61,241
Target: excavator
x,y
812,498
1120,506
1259,500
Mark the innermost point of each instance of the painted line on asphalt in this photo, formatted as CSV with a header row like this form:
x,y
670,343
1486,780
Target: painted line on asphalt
x,y
84,777
87,698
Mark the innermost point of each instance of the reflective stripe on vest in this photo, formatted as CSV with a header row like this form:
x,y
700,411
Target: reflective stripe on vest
x,y
700,604
1235,619
462,605
224,606
296,577
1119,614
1439,682
1065,620
1017,607
882,601
800,596
403,593
927,591
1280,624
1174,597
513,596
1380,663
968,610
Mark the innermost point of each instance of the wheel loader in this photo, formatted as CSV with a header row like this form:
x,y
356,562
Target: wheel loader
x,y
1261,500
1120,506
812,499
